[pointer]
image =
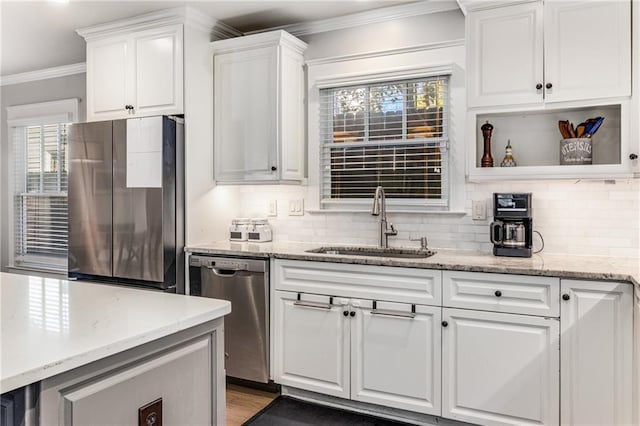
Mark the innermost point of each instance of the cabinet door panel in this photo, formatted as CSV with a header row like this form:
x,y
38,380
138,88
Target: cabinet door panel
x,y
245,98
500,369
311,344
158,71
596,342
395,358
505,55
108,82
587,49
114,399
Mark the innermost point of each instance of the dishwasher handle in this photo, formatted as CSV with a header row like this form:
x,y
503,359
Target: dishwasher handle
x,y
224,273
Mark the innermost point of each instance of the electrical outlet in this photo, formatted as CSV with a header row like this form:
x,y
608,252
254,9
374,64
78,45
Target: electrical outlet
x,y
479,210
272,208
296,207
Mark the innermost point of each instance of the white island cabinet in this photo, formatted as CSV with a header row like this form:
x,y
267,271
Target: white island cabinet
x,y
108,355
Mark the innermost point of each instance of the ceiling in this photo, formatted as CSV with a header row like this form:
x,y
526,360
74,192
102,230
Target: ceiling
x,y
41,34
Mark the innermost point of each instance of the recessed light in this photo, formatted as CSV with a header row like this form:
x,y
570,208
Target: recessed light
x,y
58,1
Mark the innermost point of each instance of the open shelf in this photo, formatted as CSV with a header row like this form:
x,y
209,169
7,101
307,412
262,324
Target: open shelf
x,y
535,140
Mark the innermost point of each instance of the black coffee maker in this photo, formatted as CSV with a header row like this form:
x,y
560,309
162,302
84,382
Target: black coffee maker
x,y
512,228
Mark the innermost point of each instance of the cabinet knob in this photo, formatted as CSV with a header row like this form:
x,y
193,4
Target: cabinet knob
x,y
548,85
633,156
128,107
566,297
444,323
345,313
498,293
274,168
352,314
539,86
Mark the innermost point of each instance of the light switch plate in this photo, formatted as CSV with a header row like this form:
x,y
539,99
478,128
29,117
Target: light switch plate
x,y
479,210
272,208
296,207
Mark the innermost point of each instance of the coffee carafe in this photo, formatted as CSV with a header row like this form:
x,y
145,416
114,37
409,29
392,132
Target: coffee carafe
x,y
512,229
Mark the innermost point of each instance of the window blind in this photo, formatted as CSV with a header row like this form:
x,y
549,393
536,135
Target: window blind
x,y
40,196
393,134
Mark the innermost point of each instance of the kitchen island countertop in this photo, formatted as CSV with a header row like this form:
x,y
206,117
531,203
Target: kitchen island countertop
x,y
563,266
50,326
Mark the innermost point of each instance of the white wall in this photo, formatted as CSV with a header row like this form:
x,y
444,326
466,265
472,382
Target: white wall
x,y
73,86
574,217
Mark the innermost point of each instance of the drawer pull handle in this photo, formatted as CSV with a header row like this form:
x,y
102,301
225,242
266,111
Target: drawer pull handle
x,y
566,297
498,293
396,314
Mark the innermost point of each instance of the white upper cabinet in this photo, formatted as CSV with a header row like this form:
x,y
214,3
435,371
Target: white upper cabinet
x,y
554,51
258,108
587,50
505,55
134,73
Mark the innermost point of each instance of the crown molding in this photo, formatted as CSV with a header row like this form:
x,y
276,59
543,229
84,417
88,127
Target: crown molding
x,y
253,41
386,52
365,18
43,74
223,31
177,15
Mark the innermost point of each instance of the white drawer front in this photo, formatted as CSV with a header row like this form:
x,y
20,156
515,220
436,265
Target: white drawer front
x,y
518,294
420,286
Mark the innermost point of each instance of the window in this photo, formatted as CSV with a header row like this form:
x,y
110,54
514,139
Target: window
x,y
40,196
392,134
39,173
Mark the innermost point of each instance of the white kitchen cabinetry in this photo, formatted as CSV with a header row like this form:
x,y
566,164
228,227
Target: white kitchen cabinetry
x,y
258,108
549,51
500,369
381,352
185,371
505,55
395,355
596,360
137,73
312,343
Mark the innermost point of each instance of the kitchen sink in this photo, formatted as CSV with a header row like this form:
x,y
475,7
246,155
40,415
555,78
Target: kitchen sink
x,y
404,253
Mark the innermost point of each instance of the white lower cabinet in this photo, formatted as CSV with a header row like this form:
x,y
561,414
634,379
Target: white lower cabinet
x,y
472,356
388,356
311,343
597,349
500,369
395,355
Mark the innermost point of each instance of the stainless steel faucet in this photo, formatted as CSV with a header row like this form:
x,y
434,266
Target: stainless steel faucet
x,y
380,209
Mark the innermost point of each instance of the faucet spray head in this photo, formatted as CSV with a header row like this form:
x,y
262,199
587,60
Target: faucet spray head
x,y
375,210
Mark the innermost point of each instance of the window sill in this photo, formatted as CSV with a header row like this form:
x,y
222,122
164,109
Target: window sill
x,y
23,270
391,211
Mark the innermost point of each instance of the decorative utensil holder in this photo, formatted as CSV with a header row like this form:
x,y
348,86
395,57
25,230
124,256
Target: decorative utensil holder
x,y
575,151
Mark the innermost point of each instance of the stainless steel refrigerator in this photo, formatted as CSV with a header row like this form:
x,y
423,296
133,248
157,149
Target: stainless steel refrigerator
x,y
126,202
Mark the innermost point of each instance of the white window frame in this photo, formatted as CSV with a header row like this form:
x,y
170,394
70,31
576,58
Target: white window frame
x,y
36,114
381,67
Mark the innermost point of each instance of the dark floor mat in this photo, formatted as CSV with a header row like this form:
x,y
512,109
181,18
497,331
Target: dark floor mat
x,y
285,411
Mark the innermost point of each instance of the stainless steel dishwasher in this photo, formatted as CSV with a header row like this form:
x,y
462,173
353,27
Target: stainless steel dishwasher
x,y
245,283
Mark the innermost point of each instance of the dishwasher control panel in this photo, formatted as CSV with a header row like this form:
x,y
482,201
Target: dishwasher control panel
x,y
226,263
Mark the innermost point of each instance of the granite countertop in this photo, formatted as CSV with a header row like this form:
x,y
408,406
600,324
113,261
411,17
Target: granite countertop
x,y
564,266
50,326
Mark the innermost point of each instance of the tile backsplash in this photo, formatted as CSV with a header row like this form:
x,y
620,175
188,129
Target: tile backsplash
x,y
576,217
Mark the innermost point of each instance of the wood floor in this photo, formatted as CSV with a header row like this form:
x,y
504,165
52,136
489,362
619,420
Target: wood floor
x,y
243,403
